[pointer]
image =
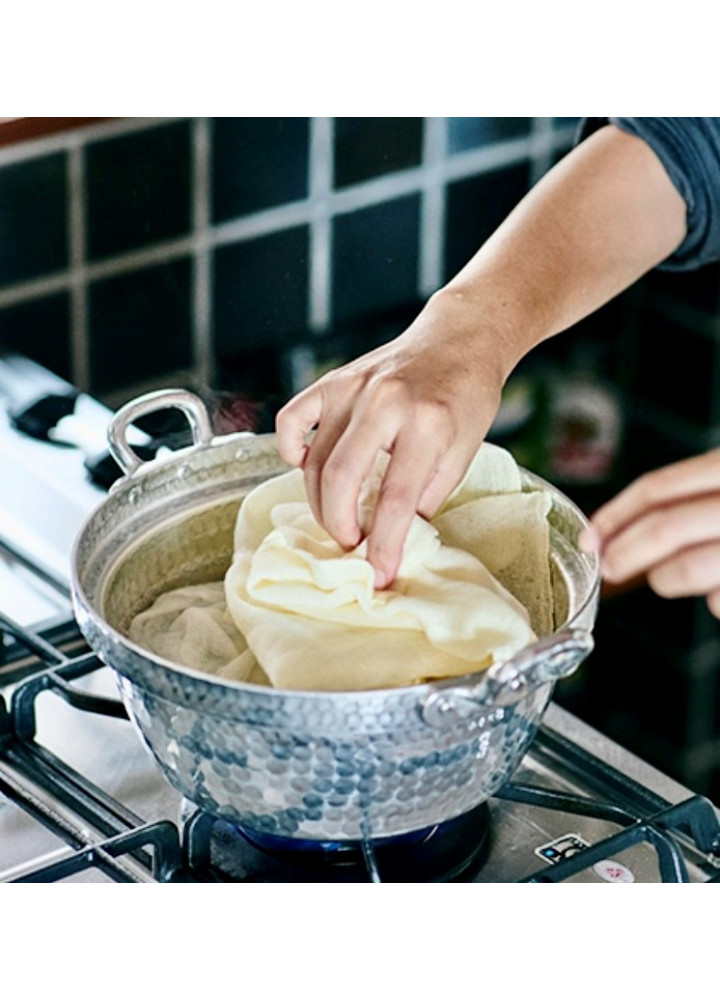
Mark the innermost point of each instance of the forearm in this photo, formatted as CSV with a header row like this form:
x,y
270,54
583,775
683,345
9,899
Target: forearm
x,y
604,216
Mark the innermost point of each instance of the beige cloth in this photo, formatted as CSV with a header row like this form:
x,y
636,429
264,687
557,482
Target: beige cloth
x,y
508,533
191,626
296,603
311,615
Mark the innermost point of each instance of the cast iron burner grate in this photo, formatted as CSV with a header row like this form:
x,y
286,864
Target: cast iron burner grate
x,y
447,852
102,833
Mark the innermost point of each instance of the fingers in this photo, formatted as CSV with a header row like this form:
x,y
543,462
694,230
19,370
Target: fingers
x,y
421,471
418,402
694,572
665,526
693,476
410,486
295,420
713,602
658,534
447,475
411,466
338,461
414,459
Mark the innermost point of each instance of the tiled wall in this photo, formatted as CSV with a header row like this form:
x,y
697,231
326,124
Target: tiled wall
x,y
244,252
247,253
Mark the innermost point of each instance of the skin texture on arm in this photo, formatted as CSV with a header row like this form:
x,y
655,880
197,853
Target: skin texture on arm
x,y
605,215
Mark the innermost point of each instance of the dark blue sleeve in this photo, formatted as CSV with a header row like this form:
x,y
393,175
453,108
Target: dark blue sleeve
x,y
689,149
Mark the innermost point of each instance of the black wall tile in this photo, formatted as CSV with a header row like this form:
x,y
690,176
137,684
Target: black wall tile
x,y
476,207
370,147
375,257
639,668
699,288
138,189
260,290
256,381
646,447
360,334
677,369
40,329
713,787
626,680
468,133
258,163
33,210
140,325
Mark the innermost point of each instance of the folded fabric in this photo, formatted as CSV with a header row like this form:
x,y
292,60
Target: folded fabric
x,y
191,626
508,533
313,620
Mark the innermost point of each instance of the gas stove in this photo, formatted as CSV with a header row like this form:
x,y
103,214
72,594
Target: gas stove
x,y
81,799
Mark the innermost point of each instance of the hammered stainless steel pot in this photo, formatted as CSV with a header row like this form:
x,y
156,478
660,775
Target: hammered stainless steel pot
x,y
321,766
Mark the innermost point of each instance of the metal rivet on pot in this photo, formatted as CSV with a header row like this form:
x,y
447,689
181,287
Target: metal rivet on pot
x,y
438,711
510,691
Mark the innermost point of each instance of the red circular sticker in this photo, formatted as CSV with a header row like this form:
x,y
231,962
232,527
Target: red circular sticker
x,y
613,871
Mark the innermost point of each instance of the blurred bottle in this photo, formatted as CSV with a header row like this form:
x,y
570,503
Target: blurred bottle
x,y
564,422
585,429
521,424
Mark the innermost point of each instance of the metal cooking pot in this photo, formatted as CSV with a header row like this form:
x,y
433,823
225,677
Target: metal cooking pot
x,y
313,765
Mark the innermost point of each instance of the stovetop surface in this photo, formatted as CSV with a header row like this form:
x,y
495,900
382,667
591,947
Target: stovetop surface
x,y
121,794
81,798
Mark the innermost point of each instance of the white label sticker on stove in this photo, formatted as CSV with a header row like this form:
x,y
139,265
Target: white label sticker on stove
x,y
561,848
613,871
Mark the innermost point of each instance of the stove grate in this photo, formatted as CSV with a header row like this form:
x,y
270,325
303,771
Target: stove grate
x,y
101,832
695,816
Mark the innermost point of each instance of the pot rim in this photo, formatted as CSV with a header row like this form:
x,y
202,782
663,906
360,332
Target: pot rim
x,y
84,609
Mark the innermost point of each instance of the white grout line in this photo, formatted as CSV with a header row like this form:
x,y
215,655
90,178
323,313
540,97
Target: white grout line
x,y
79,346
432,217
36,288
82,135
320,179
204,359
541,148
169,380
110,268
297,213
430,180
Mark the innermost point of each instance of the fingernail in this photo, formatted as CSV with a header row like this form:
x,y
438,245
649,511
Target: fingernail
x,y
380,579
589,540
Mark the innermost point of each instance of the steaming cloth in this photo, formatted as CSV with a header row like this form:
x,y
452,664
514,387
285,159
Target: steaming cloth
x,y
297,612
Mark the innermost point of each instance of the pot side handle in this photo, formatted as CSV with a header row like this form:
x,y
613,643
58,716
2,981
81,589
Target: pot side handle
x,y
190,404
546,661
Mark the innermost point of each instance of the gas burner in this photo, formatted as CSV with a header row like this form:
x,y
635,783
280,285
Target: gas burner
x,y
447,852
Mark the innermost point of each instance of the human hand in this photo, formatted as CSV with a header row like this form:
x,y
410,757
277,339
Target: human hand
x,y
665,525
427,399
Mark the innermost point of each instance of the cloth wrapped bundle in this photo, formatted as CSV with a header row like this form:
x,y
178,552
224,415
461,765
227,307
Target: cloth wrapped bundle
x,y
473,588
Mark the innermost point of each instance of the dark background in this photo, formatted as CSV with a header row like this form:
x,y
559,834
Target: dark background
x,y
242,256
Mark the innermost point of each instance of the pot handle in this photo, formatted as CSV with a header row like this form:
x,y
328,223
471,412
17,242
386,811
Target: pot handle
x,y
504,685
190,404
